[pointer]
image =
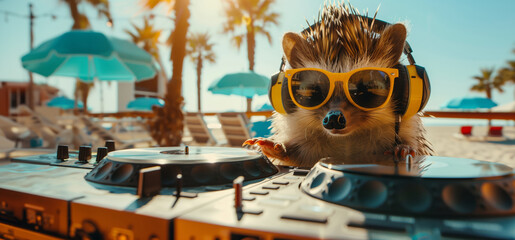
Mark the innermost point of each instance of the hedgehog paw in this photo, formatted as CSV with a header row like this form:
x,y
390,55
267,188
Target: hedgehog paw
x,y
269,148
400,152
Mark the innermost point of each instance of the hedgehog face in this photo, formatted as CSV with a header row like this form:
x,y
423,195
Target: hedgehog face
x,y
342,41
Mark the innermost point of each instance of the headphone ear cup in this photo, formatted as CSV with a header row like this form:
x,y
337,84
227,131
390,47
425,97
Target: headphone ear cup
x,y
274,93
426,89
401,88
279,95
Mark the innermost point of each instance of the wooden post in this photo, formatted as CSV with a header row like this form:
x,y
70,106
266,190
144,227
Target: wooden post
x,y
30,89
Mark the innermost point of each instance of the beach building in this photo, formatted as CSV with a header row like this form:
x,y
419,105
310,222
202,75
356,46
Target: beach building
x,y
128,91
14,94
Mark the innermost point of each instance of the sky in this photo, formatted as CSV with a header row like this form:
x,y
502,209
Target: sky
x,y
452,39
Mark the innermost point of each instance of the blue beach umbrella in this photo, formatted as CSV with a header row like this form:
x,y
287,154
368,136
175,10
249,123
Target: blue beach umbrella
x,y
145,103
88,55
470,103
63,103
246,84
265,107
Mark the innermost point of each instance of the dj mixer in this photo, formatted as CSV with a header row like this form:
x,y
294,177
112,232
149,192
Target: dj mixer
x,y
231,193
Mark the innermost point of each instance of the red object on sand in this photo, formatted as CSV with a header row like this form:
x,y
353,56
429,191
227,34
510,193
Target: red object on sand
x,y
466,130
495,131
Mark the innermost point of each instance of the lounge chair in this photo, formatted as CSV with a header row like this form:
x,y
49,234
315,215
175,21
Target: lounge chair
x,y
466,133
236,127
16,132
198,129
495,134
104,135
50,132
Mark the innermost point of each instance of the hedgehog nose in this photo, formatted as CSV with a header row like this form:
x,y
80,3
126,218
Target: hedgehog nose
x,y
334,120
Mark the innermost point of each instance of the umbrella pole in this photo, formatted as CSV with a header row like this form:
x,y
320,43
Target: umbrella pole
x,y
31,79
249,104
101,96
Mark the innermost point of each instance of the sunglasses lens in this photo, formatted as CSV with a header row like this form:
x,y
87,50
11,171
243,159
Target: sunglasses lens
x,y
369,88
309,88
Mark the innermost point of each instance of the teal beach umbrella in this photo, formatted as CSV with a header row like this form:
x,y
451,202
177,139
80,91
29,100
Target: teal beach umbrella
x,y
63,103
470,103
88,55
145,103
246,84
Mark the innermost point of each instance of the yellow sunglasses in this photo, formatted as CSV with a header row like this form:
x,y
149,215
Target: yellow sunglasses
x,y
366,88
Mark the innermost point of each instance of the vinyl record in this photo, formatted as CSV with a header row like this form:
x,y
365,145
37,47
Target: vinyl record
x,y
178,155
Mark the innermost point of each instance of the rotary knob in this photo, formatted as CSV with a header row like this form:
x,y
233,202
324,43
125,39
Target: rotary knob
x,y
62,152
101,153
110,145
84,154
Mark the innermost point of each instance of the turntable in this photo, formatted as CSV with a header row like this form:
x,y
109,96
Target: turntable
x,y
198,193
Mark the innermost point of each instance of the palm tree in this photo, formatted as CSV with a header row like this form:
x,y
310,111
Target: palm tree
x,y
80,21
146,37
507,74
167,126
255,16
486,82
200,49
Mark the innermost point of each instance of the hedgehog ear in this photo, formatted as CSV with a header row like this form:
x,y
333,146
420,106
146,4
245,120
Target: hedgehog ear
x,y
296,49
393,39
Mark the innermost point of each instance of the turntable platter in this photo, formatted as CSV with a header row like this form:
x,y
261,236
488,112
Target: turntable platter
x,y
198,166
428,186
428,167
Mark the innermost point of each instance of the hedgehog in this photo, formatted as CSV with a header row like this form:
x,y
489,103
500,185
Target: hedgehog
x,y
342,41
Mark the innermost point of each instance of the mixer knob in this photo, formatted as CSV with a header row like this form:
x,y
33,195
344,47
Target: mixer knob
x,y
84,154
110,145
101,153
62,152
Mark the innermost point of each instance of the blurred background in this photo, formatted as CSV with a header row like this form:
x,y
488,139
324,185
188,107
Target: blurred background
x,y
454,40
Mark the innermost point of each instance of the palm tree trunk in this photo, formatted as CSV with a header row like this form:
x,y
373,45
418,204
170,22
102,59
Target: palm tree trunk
x,y
74,12
251,51
170,118
199,72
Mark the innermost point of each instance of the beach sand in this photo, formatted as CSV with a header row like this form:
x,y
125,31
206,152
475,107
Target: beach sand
x,y
447,145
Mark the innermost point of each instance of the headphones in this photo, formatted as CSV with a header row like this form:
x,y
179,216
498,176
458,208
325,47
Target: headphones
x,y
411,89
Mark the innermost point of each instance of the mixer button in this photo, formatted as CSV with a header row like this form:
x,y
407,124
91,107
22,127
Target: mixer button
x,y
253,211
62,152
301,216
270,187
248,198
300,172
259,192
187,194
280,182
110,145
378,225
84,154
101,153
275,203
